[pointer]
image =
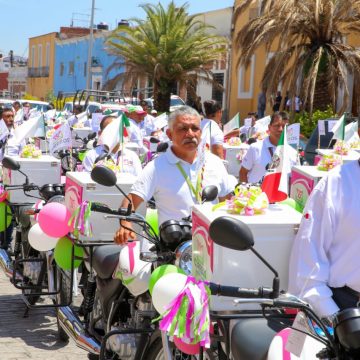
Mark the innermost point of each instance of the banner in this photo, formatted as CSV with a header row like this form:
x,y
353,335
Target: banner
x,y
293,134
232,124
60,139
321,127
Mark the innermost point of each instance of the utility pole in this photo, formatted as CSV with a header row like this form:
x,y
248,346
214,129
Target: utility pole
x,y
91,38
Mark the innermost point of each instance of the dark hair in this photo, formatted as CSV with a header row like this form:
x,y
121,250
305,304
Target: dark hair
x,y
284,115
78,108
102,122
16,103
251,141
276,115
211,107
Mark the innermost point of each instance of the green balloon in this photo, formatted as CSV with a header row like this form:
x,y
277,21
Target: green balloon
x,y
152,219
161,271
62,254
5,216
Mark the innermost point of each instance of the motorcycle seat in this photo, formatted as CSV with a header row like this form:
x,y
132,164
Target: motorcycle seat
x,y
105,259
251,337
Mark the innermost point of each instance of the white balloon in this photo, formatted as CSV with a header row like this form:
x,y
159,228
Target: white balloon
x,y
39,240
166,289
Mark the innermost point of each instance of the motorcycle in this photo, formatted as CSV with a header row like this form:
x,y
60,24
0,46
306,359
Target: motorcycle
x,y
275,334
71,159
29,270
118,314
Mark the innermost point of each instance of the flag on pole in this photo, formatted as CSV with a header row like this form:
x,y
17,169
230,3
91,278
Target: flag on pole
x,y
339,129
351,132
19,117
232,124
275,183
60,139
115,132
34,127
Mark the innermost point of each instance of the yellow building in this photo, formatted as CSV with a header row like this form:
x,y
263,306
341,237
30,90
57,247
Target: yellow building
x,y
245,84
41,65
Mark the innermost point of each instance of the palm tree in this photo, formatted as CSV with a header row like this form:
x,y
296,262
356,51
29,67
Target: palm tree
x,y
169,46
311,56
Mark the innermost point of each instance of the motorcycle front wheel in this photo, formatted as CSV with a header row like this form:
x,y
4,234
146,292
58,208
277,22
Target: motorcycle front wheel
x,y
156,352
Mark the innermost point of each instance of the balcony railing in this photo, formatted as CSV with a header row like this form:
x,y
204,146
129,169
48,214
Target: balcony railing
x,y
34,72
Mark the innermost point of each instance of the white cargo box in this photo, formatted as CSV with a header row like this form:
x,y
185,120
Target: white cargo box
x,y
303,181
273,231
352,155
79,187
45,170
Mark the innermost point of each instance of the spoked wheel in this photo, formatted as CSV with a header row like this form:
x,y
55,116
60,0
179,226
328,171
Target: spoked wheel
x,y
156,352
63,285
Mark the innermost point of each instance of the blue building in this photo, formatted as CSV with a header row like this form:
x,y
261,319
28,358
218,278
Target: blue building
x,y
70,70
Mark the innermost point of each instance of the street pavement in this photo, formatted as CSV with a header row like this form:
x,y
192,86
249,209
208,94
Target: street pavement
x,y
32,337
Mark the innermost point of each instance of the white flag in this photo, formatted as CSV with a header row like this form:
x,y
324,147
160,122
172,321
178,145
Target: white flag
x,y
33,127
339,129
4,131
19,117
232,124
95,121
60,139
351,132
161,121
262,124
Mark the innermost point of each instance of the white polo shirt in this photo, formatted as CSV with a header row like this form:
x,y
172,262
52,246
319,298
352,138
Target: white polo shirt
x,y
211,130
162,179
258,156
129,162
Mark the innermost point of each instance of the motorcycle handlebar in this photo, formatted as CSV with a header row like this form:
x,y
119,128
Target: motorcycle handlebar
x,y
234,291
106,210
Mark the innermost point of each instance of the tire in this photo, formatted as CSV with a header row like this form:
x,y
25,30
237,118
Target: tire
x,y
155,352
62,283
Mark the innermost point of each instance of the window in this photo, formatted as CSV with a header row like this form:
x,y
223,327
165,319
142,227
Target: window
x,y
246,80
85,68
47,54
61,69
40,55
33,56
217,93
71,68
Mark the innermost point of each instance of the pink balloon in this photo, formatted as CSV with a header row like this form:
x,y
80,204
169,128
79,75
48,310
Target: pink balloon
x,y
189,349
53,220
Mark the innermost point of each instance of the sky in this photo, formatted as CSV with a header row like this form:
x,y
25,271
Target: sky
x,y
27,18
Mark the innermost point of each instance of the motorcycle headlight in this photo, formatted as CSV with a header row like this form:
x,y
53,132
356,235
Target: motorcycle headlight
x,y
184,257
58,199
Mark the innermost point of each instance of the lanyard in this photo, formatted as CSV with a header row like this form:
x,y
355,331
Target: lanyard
x,y
195,192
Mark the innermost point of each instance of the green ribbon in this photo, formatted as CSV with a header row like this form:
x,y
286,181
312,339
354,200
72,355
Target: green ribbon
x,y
195,191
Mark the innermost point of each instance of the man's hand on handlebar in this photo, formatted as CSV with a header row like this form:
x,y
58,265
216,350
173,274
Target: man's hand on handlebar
x,y
124,233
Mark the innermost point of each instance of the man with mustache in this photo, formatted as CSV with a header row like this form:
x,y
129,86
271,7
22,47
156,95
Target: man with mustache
x,y
176,178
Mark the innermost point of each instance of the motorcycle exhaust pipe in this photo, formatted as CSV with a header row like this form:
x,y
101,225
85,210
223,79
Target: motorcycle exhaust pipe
x,y
6,265
75,329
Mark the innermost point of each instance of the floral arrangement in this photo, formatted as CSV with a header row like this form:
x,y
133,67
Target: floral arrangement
x,y
341,148
260,135
78,125
109,163
234,141
30,151
242,152
328,162
355,144
248,200
50,133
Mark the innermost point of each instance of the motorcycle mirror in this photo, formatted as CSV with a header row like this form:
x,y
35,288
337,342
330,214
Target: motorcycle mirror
x,y
77,137
103,176
231,233
91,136
154,140
209,193
101,157
11,164
162,147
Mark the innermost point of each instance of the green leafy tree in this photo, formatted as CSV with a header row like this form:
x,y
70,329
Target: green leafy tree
x,y
168,47
312,58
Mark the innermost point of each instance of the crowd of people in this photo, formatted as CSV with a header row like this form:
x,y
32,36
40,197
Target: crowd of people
x,y
323,267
